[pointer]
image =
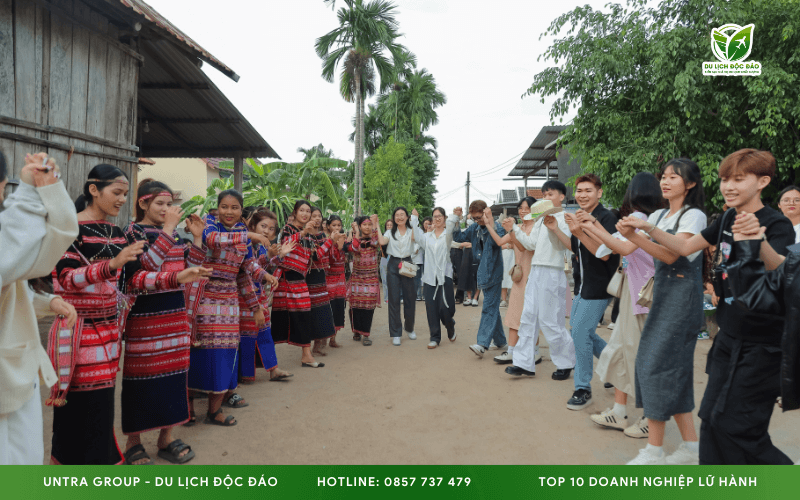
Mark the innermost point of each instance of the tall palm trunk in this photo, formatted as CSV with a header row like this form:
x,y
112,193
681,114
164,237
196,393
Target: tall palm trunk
x,y
361,134
359,144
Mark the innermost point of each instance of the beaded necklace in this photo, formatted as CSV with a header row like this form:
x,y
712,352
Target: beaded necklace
x,y
108,243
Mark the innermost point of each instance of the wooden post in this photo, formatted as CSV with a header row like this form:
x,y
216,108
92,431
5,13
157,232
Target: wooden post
x,y
238,171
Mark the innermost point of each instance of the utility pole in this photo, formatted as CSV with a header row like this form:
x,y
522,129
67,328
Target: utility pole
x,y
466,207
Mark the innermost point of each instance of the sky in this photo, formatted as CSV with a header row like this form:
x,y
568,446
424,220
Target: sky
x,y
482,54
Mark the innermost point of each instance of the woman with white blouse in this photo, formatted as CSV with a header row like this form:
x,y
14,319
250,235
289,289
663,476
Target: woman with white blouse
x,y
437,277
400,247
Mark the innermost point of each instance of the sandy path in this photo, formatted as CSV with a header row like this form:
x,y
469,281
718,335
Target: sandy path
x,y
410,405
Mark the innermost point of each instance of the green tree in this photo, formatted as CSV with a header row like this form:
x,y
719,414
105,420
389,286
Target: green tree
x,y
278,185
424,172
319,151
412,105
635,74
388,181
366,34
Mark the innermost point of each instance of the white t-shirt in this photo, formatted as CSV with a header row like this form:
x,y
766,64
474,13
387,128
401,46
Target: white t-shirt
x,y
797,233
401,247
692,222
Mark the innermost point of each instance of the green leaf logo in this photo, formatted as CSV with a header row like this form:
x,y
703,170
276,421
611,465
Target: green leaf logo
x,y
731,42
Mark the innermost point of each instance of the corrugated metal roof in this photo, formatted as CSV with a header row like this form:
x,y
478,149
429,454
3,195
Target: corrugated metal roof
x,y
536,157
187,115
160,23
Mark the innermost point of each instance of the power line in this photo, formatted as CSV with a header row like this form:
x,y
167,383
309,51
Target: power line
x,y
498,167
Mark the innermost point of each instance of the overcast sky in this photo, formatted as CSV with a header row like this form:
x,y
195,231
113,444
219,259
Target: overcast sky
x,y
482,54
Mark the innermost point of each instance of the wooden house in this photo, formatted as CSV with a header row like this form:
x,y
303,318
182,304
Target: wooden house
x,y
111,81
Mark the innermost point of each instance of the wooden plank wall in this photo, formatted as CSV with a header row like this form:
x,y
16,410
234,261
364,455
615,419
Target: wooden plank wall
x,y
57,73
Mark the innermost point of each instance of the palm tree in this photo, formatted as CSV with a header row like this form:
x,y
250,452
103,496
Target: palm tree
x,y
366,32
417,101
319,151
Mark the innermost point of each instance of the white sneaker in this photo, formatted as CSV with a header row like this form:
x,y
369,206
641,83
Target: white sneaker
x,y
638,430
412,335
478,350
684,456
474,302
432,345
504,358
503,303
467,302
610,419
396,340
646,457
610,326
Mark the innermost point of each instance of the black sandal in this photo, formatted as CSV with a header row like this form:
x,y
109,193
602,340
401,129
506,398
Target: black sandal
x,y
137,453
211,418
357,337
172,453
235,401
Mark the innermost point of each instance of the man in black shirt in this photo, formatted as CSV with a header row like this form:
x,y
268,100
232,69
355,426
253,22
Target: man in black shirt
x,y
743,374
592,299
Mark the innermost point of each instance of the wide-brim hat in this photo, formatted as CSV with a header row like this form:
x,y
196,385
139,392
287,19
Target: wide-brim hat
x,y
548,207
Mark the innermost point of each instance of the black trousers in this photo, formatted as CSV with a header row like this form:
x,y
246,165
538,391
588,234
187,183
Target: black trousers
x,y
439,314
396,283
743,384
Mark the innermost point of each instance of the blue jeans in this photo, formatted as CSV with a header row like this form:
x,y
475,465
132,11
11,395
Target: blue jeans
x,y
491,327
583,320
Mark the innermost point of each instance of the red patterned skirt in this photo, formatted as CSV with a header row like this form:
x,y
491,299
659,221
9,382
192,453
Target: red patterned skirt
x,y
156,364
291,311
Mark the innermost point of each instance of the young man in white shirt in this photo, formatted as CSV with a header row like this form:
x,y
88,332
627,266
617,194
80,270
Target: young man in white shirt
x,y
546,290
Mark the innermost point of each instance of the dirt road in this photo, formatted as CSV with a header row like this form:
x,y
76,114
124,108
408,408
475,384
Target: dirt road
x,y
409,405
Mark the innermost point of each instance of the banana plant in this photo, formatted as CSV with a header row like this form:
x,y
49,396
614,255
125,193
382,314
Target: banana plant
x,y
209,201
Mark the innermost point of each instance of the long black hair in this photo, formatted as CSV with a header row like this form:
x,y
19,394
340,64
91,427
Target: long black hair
x,y
102,176
394,224
689,172
643,195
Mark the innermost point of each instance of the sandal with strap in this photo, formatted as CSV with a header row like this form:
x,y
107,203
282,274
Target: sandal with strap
x,y
235,401
357,337
172,453
211,418
135,454
366,341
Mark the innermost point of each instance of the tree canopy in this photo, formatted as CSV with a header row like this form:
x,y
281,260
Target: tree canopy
x,y
635,74
387,180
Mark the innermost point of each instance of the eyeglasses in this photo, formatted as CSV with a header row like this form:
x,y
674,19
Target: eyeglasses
x,y
793,201
438,217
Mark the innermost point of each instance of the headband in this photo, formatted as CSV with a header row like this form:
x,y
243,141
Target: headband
x,y
111,181
162,193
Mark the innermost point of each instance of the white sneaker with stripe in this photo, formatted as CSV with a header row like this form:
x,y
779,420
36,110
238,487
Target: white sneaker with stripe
x,y
610,419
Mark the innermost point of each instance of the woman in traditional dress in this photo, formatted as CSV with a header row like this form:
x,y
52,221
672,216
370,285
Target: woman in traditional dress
x,y
364,289
335,277
321,312
291,307
617,364
87,357
157,335
215,308
257,347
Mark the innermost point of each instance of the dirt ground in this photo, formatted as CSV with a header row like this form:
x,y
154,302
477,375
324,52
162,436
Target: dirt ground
x,y
409,405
